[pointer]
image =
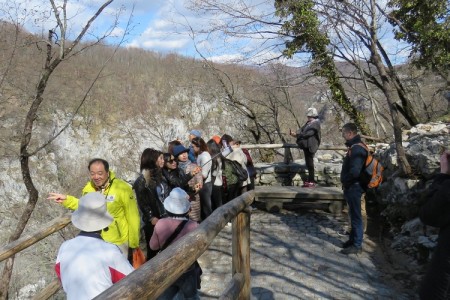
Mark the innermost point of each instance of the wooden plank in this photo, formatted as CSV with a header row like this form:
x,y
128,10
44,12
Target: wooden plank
x,y
241,251
296,192
48,291
34,237
275,196
277,146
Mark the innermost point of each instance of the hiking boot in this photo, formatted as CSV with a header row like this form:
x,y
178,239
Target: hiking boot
x,y
352,250
347,244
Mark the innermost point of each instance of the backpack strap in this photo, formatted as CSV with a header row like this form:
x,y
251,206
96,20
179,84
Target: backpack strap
x,y
358,144
366,163
174,235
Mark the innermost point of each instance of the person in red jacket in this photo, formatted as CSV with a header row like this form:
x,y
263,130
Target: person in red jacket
x,y
87,265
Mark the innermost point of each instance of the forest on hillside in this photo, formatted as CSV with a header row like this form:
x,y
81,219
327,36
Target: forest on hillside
x,y
165,92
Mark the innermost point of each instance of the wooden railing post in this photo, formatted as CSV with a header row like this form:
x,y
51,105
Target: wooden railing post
x,y
287,155
241,251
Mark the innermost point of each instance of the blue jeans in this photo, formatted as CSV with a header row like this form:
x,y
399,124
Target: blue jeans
x,y
352,195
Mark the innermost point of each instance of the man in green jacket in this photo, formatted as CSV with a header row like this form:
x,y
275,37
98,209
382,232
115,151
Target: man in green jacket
x,y
121,204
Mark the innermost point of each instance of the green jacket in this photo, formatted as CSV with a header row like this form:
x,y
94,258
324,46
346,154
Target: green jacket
x,y
121,204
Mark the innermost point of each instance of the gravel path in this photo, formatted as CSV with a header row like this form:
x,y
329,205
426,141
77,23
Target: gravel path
x,y
295,255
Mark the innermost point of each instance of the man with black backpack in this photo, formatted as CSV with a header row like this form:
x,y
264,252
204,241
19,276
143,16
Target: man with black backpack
x,y
352,168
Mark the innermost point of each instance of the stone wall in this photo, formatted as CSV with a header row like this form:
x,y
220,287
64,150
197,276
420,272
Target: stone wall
x,y
326,172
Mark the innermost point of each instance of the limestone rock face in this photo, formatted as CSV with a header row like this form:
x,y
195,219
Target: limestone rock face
x,y
423,147
402,197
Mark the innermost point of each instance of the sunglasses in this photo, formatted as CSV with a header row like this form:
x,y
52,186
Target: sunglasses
x,y
170,161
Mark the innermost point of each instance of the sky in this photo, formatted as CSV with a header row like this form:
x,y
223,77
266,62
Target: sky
x,y
170,26
165,26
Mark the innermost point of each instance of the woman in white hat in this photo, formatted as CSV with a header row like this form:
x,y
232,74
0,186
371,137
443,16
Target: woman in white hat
x,y
170,229
308,139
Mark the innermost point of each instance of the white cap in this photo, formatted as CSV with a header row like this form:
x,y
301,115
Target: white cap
x,y
312,112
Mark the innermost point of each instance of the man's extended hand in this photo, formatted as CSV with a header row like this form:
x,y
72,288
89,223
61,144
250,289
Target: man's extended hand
x,y
58,198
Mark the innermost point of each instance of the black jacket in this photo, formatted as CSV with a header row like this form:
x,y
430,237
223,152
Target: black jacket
x,y
436,212
353,162
176,178
150,194
310,132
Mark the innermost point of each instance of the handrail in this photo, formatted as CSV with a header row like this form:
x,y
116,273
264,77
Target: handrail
x,y
275,146
153,277
34,237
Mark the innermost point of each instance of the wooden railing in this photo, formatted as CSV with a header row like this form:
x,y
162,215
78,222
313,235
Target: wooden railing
x,y
287,147
32,238
152,278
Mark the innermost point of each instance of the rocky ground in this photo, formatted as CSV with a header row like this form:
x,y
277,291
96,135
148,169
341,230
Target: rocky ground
x,y
404,268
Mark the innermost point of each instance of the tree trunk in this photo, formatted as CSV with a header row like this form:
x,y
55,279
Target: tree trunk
x,y
389,90
33,194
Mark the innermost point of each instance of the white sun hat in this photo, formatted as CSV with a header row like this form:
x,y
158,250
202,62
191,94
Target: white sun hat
x,y
177,202
312,112
91,214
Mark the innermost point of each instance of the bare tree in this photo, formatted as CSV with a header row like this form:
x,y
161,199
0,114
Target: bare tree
x,y
259,24
58,49
353,31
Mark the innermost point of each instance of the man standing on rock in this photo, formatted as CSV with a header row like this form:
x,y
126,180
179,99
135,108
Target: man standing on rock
x,y
120,201
350,179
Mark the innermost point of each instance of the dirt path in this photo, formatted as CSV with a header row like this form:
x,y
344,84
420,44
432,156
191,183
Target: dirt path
x,y
400,269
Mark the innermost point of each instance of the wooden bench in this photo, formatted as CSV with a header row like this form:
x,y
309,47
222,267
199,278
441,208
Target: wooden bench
x,y
275,196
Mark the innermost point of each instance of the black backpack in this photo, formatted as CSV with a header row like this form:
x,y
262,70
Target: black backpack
x,y
238,170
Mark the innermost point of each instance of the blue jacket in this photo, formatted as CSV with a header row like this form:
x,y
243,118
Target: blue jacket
x,y
353,162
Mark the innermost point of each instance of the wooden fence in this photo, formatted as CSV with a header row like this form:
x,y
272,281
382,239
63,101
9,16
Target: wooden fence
x,y
153,277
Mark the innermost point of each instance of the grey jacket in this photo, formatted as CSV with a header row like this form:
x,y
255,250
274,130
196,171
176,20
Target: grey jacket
x,y
311,132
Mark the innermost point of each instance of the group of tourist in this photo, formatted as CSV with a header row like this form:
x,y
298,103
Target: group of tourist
x,y
199,169
178,189
174,192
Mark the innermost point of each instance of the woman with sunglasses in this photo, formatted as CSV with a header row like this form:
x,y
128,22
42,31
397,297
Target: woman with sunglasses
x,y
174,177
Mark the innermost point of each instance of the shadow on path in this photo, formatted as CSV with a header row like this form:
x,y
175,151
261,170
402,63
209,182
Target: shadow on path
x,y
295,255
